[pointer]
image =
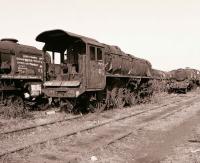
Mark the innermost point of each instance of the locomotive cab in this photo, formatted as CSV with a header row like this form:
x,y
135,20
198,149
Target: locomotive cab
x,y
66,65
77,64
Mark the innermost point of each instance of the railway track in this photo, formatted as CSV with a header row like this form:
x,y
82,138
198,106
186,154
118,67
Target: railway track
x,y
60,120
128,132
40,125
175,111
87,128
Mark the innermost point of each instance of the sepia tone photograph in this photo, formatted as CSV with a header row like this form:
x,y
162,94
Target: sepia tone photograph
x,y
96,81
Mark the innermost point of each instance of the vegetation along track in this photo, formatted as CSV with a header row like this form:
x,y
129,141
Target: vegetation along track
x,y
15,130
86,128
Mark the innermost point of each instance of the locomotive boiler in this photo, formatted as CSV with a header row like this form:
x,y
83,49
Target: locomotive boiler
x,y
92,75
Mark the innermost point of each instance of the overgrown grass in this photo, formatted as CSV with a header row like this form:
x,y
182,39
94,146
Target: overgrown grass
x,y
13,112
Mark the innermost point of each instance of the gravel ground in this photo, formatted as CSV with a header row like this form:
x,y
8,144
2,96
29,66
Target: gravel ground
x,y
161,135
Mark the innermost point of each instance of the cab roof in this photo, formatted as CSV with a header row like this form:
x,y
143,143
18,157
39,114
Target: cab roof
x,y
60,39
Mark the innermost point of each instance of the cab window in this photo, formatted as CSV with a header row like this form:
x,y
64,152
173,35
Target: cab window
x,y
99,54
92,53
96,54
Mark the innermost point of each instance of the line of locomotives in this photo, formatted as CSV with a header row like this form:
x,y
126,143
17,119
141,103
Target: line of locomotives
x,y
90,76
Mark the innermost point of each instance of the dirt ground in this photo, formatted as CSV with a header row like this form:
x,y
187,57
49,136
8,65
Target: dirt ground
x,y
170,134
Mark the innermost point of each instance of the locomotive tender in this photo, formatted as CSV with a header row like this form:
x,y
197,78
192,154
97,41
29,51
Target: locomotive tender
x,y
21,73
92,74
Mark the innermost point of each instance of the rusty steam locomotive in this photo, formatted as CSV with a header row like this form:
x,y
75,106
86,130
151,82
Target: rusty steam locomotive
x,y
177,81
92,74
183,80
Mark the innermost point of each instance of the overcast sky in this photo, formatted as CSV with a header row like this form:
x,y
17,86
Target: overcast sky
x,y
166,32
